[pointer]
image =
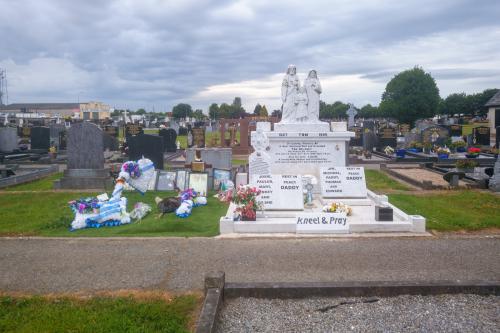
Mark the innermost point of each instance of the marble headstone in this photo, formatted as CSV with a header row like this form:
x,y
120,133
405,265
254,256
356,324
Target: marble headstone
x,y
280,192
351,113
343,182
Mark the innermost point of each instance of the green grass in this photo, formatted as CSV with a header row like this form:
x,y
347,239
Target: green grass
x,y
238,162
43,184
47,214
379,182
454,210
97,314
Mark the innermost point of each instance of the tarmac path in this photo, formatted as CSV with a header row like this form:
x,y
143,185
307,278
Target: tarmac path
x,y
178,264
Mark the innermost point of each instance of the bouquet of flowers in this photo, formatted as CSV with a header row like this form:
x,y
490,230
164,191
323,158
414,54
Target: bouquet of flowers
x,y
84,205
474,150
338,207
246,199
132,168
443,151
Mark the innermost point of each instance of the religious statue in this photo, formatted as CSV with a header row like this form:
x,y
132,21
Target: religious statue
x,y
289,89
300,103
313,89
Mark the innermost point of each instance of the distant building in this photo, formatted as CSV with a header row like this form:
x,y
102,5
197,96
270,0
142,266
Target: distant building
x,y
94,111
87,111
493,106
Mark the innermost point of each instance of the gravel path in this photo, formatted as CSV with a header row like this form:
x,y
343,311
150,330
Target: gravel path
x,y
443,313
178,264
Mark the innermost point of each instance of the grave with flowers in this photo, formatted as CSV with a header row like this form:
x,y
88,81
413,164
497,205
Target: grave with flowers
x,y
300,180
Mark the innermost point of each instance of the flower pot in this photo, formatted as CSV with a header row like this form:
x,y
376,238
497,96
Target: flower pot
x,y
401,153
443,156
461,150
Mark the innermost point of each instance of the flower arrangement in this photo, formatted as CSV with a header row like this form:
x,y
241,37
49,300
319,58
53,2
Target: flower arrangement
x,y
85,205
474,150
188,194
338,207
466,164
246,199
443,151
132,168
459,144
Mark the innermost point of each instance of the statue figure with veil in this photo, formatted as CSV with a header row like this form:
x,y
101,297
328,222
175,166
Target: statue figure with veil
x,y
300,103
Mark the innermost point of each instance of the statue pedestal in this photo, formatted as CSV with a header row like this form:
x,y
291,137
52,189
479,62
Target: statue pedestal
x,y
302,127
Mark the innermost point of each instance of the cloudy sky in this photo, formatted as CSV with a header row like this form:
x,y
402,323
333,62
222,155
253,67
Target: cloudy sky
x,y
157,53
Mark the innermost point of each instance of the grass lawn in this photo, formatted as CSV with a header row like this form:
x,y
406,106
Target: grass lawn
x,y
378,181
43,184
452,210
97,314
47,214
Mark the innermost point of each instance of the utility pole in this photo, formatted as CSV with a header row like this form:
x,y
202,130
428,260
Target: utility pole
x,y
4,96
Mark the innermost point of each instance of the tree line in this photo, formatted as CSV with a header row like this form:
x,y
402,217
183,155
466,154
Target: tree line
x,y
410,95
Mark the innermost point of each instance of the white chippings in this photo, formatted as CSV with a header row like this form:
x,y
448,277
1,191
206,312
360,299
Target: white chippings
x,y
443,313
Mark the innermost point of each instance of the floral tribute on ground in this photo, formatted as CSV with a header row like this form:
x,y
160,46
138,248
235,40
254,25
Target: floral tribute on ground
x,y
100,211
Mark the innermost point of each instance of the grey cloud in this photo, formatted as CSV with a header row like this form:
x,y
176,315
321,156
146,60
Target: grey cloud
x,y
163,52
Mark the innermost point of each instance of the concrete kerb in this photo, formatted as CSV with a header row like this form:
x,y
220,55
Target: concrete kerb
x,y
216,290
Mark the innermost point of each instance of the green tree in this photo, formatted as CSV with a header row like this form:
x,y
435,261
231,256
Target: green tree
x,y
456,104
213,111
368,111
225,111
140,112
478,100
257,109
199,115
263,111
410,95
182,111
237,111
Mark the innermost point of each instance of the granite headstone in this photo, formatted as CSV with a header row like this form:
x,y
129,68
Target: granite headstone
x,y
481,135
8,139
437,135
149,146
169,138
40,138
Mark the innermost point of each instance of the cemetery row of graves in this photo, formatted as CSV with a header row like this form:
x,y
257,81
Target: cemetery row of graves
x,y
38,159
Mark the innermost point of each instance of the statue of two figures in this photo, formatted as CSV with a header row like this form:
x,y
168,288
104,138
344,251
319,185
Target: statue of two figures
x,y
300,103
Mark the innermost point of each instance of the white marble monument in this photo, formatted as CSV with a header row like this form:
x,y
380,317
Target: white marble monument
x,y
304,150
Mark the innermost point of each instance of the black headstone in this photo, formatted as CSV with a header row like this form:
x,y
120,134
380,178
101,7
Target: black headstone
x,y
63,140
55,135
481,136
109,142
387,137
455,130
40,138
369,137
435,135
149,146
169,138
497,117
85,146
357,140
